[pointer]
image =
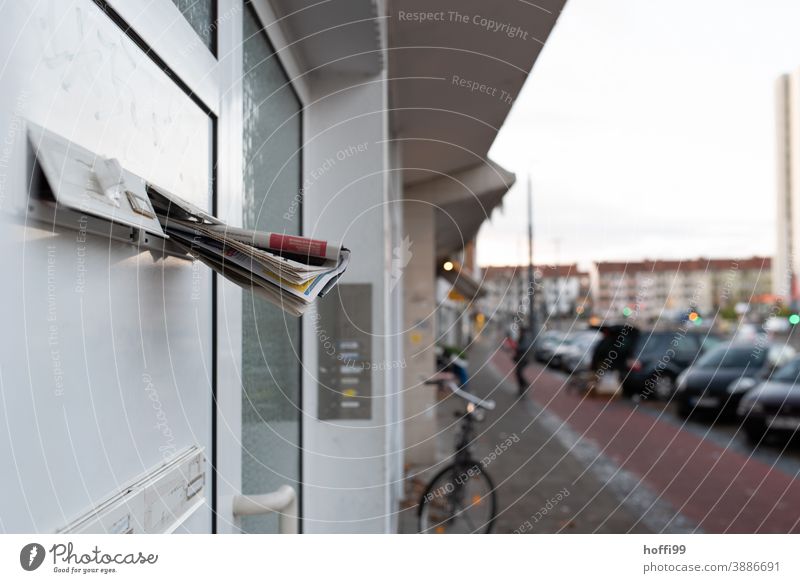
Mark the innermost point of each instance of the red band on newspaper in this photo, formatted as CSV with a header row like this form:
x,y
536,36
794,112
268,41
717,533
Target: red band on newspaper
x,y
298,245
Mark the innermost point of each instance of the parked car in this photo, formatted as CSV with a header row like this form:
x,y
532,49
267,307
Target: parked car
x,y
546,343
721,377
777,324
659,357
579,357
563,348
773,406
579,344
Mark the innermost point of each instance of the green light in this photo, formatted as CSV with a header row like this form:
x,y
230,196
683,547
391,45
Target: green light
x,y
698,321
626,311
794,319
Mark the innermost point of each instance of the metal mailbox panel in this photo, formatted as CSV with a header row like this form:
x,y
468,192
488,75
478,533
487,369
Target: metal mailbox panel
x,y
344,330
105,360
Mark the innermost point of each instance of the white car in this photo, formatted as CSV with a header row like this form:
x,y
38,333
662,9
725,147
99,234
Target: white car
x,y
777,324
577,353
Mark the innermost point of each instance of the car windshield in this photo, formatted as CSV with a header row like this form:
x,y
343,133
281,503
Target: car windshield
x,y
710,341
747,356
654,343
586,341
789,373
551,337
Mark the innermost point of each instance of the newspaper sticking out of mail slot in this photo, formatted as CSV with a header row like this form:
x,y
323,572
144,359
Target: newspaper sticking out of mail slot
x,y
288,271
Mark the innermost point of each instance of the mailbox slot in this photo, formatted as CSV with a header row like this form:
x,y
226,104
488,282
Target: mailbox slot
x,y
75,188
158,502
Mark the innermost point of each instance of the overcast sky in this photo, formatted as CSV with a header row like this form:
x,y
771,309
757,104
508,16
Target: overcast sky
x,y
648,128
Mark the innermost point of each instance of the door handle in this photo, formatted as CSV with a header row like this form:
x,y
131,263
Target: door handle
x,y
283,501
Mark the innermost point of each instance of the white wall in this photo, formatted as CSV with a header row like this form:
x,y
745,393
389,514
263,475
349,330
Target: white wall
x,y
347,465
420,333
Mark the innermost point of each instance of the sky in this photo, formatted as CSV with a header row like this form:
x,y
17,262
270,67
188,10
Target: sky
x,y
648,129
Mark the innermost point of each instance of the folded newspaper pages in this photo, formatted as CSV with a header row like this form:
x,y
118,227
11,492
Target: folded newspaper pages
x,y
288,271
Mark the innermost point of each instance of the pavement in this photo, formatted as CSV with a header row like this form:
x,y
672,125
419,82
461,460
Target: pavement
x,y
587,465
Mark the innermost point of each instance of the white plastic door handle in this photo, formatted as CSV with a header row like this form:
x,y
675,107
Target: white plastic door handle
x,y
283,501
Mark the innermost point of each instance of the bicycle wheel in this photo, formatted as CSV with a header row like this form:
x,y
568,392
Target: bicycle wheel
x,y
460,499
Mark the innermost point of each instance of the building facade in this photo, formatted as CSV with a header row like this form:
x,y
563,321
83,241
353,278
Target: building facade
x,y
664,290
787,158
559,291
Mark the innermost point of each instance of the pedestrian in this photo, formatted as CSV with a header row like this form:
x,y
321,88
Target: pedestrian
x,y
610,357
509,344
521,359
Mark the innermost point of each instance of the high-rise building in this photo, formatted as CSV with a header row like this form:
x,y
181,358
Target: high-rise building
x,y
787,150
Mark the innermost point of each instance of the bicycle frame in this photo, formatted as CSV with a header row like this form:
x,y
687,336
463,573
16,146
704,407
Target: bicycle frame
x,y
458,475
463,441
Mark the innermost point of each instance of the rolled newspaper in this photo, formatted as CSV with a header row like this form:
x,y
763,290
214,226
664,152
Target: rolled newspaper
x,y
291,244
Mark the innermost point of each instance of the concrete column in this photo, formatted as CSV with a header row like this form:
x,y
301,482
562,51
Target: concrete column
x,y
419,307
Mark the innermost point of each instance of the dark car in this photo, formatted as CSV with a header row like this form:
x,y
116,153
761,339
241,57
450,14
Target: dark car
x,y
773,407
721,377
659,357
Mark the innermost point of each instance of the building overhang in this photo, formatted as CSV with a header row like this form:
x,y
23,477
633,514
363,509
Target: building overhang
x,y
461,202
462,283
332,38
454,80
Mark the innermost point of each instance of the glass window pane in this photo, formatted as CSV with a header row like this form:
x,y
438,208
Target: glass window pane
x,y
270,338
200,14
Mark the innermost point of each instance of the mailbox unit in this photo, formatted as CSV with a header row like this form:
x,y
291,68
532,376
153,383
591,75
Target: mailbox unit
x,y
139,392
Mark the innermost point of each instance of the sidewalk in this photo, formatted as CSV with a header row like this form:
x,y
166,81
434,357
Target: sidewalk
x,y
545,480
694,480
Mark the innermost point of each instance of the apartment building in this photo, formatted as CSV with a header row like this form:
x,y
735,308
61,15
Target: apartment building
x,y
787,159
665,289
559,291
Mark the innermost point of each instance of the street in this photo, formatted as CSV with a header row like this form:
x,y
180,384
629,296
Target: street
x,y
673,475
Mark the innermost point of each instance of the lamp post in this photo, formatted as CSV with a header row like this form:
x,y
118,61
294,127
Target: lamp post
x,y
531,277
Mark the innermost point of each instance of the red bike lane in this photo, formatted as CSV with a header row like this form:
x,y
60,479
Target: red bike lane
x,y
719,489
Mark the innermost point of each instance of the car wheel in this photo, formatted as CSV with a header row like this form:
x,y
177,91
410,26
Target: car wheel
x,y
684,410
755,435
627,390
664,387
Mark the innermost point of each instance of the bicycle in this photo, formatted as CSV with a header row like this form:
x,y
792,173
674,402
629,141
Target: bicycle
x,y
461,498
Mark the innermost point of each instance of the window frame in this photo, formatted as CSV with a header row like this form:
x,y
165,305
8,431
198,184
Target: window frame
x,y
264,13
